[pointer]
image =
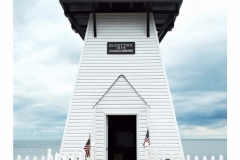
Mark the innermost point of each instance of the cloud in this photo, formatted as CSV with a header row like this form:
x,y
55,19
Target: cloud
x,y
200,108
202,132
42,36
194,52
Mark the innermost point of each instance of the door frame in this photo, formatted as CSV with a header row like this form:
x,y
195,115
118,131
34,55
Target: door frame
x,y
105,129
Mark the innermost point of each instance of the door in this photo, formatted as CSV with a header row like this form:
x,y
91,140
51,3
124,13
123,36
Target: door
x,y
121,137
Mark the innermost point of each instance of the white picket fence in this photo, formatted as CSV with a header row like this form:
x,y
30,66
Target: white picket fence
x,y
75,156
81,156
170,156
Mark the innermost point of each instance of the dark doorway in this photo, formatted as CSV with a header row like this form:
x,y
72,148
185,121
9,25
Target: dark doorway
x,y
122,138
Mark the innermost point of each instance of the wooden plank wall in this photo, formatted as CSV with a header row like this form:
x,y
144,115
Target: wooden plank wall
x,y
144,70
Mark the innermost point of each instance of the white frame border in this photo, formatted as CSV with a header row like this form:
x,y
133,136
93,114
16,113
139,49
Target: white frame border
x,y
119,112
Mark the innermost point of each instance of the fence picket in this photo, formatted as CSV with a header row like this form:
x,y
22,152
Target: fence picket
x,y
163,155
196,158
43,158
56,156
66,156
155,154
171,156
204,158
212,158
80,155
76,155
49,153
188,157
83,154
50,157
34,158
92,152
26,158
179,157
59,157
18,157
147,151
220,157
72,157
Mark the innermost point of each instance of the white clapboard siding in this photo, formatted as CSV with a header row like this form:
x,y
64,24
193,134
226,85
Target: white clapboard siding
x,y
143,70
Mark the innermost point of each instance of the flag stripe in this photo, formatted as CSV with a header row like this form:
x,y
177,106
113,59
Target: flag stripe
x,y
87,148
147,138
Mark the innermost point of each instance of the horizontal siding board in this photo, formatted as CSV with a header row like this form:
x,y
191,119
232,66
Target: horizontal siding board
x,y
83,114
119,40
123,59
143,84
122,38
121,91
123,65
114,27
115,96
140,110
156,67
138,42
110,79
118,35
75,125
79,127
123,62
132,106
137,47
101,34
104,49
75,142
120,86
80,116
89,52
118,22
128,31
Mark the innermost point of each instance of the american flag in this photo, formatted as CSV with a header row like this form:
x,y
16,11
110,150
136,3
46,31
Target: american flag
x,y
147,139
87,148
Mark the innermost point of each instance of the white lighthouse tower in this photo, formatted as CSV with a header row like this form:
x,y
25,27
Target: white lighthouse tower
x,y
121,88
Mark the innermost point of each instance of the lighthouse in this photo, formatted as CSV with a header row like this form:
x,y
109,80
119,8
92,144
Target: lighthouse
x,y
121,88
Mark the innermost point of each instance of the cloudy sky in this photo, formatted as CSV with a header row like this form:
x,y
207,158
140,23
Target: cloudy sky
x,y
47,51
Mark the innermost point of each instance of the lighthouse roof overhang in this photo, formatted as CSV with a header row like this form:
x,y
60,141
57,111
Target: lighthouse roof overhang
x,y
165,12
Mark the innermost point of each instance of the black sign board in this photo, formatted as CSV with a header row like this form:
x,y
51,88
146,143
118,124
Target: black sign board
x,y
120,47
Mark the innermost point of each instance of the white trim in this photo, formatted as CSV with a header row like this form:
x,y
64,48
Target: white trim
x,y
168,88
120,112
94,124
113,85
138,137
104,137
74,86
148,119
116,112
